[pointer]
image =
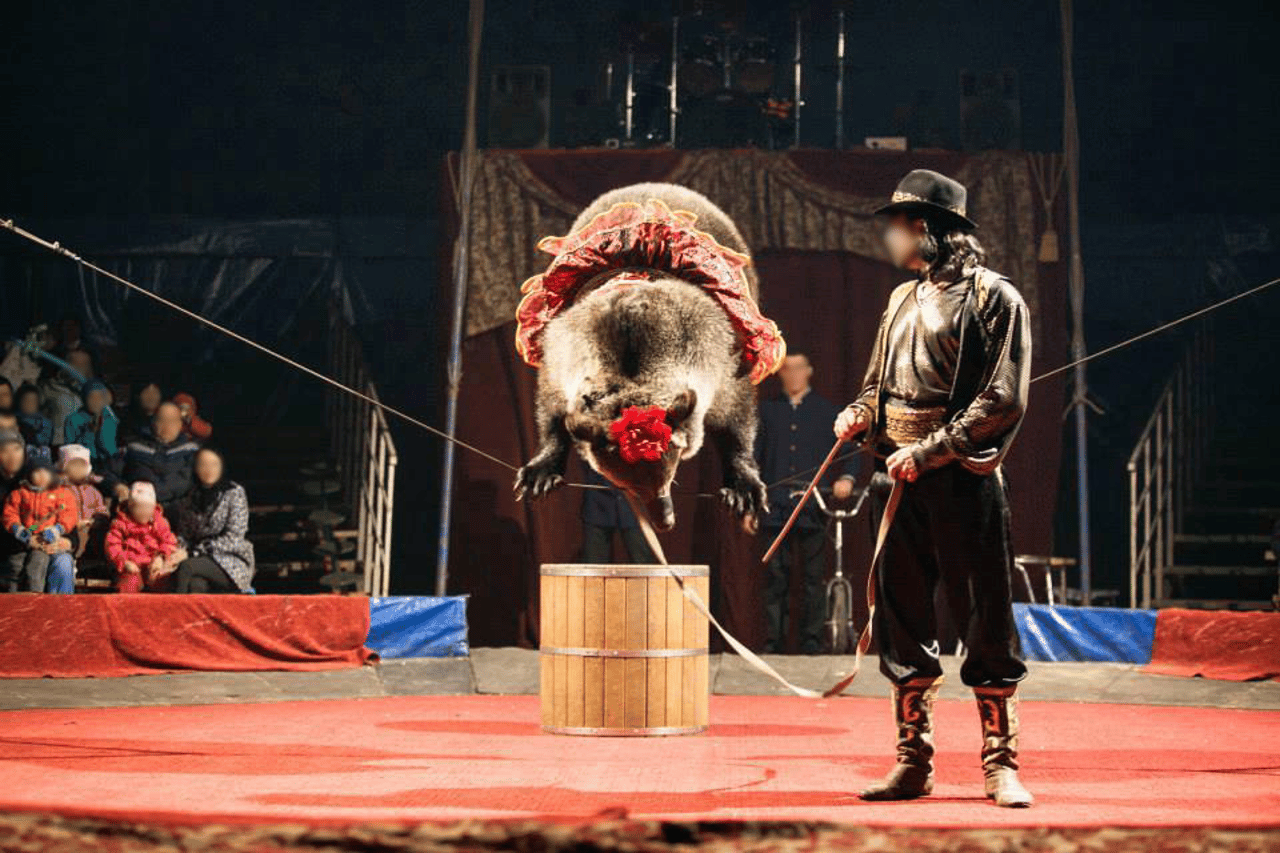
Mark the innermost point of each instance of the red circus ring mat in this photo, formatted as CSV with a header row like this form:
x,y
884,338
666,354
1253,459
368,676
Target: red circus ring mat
x,y
764,758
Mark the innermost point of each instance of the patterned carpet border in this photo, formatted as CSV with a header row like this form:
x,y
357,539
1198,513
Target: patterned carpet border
x,y
29,833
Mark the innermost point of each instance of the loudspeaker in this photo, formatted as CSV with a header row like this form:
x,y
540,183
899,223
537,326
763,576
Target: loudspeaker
x,y
990,110
520,106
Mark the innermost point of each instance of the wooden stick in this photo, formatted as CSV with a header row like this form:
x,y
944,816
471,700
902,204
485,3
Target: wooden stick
x,y
795,513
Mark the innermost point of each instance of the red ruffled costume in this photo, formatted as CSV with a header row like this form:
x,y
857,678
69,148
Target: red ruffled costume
x,y
630,236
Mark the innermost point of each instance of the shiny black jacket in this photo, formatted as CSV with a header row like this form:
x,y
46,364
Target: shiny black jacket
x,y
993,371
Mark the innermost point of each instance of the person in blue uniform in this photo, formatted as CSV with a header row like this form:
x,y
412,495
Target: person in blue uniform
x,y
794,437
605,512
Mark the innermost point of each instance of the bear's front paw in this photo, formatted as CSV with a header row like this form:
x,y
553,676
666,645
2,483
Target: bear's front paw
x,y
746,495
538,478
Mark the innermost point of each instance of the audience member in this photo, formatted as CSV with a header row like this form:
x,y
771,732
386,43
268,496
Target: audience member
x,y
76,467
60,394
13,460
94,424
163,459
793,438
6,394
141,411
212,523
71,339
140,543
38,513
605,511
9,422
36,428
193,426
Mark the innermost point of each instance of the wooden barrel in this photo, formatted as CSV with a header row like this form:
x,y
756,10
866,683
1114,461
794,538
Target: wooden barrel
x,y
623,651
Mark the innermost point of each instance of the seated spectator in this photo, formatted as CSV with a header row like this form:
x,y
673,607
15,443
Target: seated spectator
x,y
35,427
6,394
76,467
164,459
38,513
137,423
94,425
71,338
60,394
13,461
212,522
9,422
193,426
140,543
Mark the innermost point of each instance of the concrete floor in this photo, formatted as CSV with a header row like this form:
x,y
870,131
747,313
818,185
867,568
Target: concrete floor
x,y
515,671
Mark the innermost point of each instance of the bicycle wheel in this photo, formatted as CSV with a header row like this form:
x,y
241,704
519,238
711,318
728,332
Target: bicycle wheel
x,y
838,614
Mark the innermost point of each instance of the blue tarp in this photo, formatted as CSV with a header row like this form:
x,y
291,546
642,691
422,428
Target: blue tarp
x,y
418,626
1094,634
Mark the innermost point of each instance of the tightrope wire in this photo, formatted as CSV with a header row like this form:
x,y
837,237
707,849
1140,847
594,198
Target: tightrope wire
x,y
58,248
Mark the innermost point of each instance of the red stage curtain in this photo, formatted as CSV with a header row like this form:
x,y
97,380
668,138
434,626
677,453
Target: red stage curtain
x,y
1216,644
68,636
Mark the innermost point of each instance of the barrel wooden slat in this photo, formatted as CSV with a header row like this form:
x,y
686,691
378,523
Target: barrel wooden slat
x,y
656,676
561,634
593,638
637,638
576,638
689,709
547,663
615,637
675,668
623,653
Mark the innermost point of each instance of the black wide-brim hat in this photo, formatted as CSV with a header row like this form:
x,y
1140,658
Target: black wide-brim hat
x,y
930,192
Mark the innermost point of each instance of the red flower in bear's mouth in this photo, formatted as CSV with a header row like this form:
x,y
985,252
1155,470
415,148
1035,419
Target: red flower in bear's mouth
x,y
641,433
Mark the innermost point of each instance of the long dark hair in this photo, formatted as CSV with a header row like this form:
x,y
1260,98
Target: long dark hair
x,y
205,497
947,250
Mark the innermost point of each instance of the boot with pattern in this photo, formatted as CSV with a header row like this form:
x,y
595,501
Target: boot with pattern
x,y
912,776
998,707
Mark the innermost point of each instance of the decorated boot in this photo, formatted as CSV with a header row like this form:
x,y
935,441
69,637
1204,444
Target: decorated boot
x,y
912,776
998,707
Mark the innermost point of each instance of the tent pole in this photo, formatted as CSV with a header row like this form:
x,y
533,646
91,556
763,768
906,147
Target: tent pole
x,y
461,272
1080,385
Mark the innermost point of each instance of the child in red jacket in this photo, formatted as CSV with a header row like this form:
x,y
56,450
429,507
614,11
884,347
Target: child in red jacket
x,y
76,467
140,542
38,514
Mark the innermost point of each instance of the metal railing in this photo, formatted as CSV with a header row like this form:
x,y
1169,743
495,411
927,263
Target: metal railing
x,y
1165,465
365,454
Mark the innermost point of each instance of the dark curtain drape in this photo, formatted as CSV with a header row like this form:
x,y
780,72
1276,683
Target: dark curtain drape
x,y
828,305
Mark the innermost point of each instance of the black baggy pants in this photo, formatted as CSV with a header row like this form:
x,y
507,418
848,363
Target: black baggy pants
x,y
808,545
951,529
597,544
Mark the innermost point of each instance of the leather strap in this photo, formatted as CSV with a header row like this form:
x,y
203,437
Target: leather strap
x,y
864,640
756,662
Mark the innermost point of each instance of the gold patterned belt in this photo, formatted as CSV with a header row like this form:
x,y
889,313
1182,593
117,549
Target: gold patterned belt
x,y
903,425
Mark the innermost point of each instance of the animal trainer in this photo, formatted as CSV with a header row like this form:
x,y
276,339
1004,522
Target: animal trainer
x,y
649,339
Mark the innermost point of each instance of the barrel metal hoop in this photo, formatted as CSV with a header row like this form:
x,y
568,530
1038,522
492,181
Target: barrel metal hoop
x,y
587,571
648,731
625,653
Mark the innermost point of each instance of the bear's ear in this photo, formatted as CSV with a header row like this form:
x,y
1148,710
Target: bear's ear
x,y
583,427
681,407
